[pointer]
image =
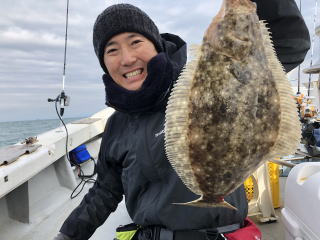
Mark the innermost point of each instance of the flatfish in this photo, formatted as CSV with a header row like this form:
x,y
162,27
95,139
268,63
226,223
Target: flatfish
x,y
231,109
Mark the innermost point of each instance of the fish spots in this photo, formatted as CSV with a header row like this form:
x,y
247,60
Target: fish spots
x,y
196,137
227,176
241,73
230,111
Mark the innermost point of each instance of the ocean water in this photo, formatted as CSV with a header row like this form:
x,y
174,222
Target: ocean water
x,y
14,132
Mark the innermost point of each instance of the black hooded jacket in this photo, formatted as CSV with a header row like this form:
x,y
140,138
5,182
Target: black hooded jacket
x,y
132,160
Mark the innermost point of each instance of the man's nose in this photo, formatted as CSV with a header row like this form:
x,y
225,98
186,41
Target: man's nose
x,y
127,57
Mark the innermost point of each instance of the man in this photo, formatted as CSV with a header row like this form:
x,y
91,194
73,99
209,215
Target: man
x,y
140,68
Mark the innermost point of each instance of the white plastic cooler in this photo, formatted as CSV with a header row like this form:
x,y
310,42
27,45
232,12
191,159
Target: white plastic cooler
x,y
301,212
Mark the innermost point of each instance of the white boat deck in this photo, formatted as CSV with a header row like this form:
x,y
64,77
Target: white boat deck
x,y
35,189
48,226
271,231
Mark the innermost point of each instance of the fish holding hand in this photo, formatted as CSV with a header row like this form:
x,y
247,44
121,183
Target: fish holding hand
x,y
231,109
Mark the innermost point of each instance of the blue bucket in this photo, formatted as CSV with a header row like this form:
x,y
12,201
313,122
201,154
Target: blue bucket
x,y
80,154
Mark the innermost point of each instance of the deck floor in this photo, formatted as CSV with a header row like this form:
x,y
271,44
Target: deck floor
x,y
275,230
48,228
271,231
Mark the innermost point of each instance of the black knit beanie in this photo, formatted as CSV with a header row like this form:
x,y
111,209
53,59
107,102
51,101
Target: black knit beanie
x,y
121,18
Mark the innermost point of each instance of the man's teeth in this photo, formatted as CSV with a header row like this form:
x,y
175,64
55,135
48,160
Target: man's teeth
x,y
134,73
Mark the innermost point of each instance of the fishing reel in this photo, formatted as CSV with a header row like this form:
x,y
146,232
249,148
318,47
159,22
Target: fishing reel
x,y
62,99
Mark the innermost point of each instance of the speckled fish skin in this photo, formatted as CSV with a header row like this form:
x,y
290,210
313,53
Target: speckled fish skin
x,y
232,112
237,111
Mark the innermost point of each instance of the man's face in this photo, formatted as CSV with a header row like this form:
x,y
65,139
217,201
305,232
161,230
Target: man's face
x,y
126,57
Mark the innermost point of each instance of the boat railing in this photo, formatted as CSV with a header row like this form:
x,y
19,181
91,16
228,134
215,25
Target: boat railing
x,y
27,185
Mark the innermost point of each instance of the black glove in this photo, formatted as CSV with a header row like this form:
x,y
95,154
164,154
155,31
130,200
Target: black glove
x,y
61,236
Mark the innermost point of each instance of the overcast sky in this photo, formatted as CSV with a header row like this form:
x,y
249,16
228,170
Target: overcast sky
x,y
32,48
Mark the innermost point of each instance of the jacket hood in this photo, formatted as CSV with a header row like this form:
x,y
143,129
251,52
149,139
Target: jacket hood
x,y
176,49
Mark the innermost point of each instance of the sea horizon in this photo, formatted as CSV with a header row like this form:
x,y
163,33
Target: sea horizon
x,y
41,119
12,132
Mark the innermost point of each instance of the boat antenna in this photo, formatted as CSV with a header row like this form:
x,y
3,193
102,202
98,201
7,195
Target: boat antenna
x,y
312,42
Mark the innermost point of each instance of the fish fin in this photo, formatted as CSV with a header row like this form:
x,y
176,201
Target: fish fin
x,y
290,128
205,204
176,124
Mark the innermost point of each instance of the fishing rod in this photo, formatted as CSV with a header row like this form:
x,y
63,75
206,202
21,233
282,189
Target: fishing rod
x,y
64,101
299,68
312,42
62,98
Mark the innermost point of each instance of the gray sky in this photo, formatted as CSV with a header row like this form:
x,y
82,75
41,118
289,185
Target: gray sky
x,y
32,48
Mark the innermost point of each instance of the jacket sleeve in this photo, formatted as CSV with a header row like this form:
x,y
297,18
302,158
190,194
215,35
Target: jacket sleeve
x,y
289,32
61,236
99,202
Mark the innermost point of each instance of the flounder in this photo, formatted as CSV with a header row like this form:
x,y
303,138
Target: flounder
x,y
231,109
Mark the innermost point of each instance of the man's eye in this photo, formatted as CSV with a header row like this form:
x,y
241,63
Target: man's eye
x,y
111,50
136,41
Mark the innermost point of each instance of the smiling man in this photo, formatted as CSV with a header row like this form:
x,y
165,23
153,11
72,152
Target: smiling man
x,y
126,57
140,68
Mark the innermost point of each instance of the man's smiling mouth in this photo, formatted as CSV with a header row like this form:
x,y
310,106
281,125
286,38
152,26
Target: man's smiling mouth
x,y
133,73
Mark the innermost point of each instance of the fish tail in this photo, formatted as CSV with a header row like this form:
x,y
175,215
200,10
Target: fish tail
x,y
206,204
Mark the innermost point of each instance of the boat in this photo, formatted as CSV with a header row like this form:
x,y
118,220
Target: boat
x,y
36,185
35,188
